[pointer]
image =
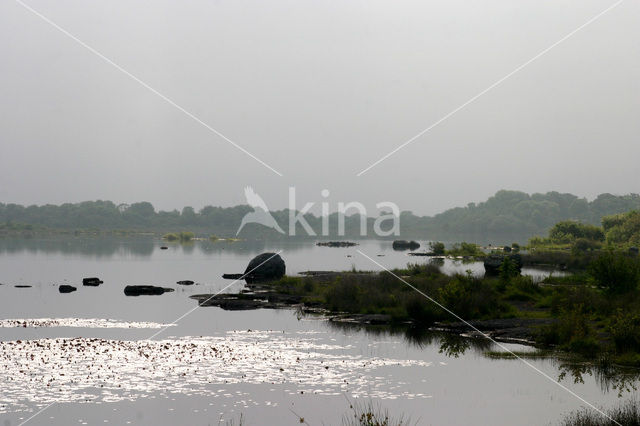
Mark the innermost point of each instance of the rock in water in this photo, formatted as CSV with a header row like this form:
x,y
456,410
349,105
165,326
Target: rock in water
x,y
66,288
185,282
145,290
405,245
93,281
265,266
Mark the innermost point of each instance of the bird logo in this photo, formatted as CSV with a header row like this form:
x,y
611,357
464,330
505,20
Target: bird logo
x,y
260,213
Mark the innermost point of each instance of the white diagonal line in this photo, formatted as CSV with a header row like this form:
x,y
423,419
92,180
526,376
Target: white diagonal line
x,y
36,414
527,363
145,85
212,296
497,83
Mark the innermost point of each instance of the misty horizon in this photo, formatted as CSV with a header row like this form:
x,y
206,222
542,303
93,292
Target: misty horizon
x,y
316,209
318,92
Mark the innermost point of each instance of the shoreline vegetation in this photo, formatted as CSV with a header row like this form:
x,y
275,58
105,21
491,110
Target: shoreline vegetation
x,y
592,312
506,216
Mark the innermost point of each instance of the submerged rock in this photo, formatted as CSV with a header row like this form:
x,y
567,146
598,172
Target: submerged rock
x,y
66,288
336,244
93,281
145,290
405,245
232,276
247,300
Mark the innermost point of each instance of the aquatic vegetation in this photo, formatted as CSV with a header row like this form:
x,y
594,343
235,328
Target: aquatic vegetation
x,y
627,414
182,237
371,414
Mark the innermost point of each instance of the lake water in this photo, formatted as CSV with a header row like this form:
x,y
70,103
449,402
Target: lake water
x,y
91,356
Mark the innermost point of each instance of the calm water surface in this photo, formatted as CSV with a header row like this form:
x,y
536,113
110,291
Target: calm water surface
x,y
91,353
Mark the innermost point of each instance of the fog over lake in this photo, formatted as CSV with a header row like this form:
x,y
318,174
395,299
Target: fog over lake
x,y
319,91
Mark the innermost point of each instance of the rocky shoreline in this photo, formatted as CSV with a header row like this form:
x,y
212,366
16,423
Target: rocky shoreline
x,y
262,296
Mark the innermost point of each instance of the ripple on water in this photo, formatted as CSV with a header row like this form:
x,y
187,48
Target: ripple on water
x,y
90,369
77,323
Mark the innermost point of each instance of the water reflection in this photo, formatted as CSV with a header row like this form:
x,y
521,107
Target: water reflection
x,y
609,377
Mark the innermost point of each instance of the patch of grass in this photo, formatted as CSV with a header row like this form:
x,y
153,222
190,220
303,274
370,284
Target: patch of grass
x,y
370,414
183,237
465,249
627,414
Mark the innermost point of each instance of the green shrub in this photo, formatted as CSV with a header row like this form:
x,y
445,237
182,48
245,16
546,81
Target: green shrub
x,y
571,332
437,248
508,269
465,249
471,298
421,310
582,245
186,236
625,330
616,272
569,231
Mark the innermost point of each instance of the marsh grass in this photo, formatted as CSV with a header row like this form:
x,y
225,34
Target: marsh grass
x,y
627,414
370,414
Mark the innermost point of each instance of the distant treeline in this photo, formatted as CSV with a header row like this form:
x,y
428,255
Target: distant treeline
x,y
508,215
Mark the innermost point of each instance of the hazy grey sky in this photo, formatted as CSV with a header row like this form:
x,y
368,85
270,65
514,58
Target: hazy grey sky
x,y
319,90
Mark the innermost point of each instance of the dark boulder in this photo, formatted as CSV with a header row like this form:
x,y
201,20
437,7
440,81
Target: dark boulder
x,y
22,286
405,245
185,282
164,248
493,262
93,281
66,288
265,266
145,290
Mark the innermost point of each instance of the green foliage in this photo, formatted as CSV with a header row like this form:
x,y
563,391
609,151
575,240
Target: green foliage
x,y
505,215
625,330
437,248
186,236
569,231
571,332
623,229
582,245
423,311
508,269
616,272
471,297
465,249
183,237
